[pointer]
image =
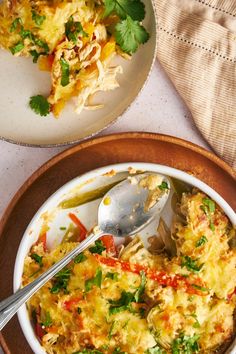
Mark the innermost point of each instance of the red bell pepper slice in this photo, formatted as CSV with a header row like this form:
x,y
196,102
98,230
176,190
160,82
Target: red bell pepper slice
x,y
82,228
108,241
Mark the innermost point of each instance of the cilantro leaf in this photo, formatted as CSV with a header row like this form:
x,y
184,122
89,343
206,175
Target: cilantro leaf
x,y
61,281
129,34
73,29
17,48
38,259
122,304
133,8
210,204
47,322
198,287
80,258
35,55
39,105
65,72
191,264
38,19
97,280
113,276
201,241
98,248
155,350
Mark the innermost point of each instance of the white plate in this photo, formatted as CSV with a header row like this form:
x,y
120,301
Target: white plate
x,y
87,213
21,79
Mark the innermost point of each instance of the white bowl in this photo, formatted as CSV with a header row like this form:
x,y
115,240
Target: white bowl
x,y
20,125
85,182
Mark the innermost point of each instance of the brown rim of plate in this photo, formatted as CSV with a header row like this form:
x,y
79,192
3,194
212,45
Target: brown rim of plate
x,y
150,146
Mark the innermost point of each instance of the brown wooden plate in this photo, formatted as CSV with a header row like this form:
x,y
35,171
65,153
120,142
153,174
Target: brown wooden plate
x,y
102,151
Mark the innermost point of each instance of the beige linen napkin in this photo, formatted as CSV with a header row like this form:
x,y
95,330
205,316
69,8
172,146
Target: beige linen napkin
x,y
197,48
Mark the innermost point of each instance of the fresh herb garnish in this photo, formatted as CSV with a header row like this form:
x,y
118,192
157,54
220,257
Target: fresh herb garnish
x,y
35,55
201,241
62,228
196,324
209,207
17,48
41,44
155,350
38,259
73,29
111,330
129,34
98,248
209,204
140,291
97,280
39,105
61,281
38,19
113,276
185,344
17,22
47,322
88,351
191,264
79,310
118,351
80,258
163,186
198,287
65,72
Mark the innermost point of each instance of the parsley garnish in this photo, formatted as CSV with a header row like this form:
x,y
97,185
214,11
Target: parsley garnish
x,y
65,72
199,287
39,105
140,291
73,29
35,55
80,258
129,34
61,281
17,48
98,248
97,280
209,208
47,322
38,259
185,344
201,241
191,264
38,19
113,276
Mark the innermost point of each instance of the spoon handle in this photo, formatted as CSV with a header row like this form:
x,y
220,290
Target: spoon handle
x,y
11,305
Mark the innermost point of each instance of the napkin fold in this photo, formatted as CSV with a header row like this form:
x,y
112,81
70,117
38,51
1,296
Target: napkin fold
x,y
197,49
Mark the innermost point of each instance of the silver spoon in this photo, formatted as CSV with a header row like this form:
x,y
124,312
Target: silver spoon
x,y
122,212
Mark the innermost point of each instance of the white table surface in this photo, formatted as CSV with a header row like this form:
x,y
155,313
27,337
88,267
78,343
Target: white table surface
x,y
158,109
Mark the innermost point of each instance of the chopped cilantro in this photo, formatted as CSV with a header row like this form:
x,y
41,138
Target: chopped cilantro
x,y
73,29
201,241
209,204
199,287
65,72
129,34
191,264
97,280
111,330
185,344
133,8
15,24
38,259
155,350
98,248
26,34
80,258
196,324
47,322
88,351
39,105
113,276
79,310
35,55
139,292
42,45
38,19
62,228
209,208
163,186
61,281
118,351
17,48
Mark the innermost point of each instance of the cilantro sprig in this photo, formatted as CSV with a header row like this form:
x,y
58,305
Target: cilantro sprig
x,y
73,29
98,248
191,264
129,32
61,281
38,19
39,105
95,281
185,344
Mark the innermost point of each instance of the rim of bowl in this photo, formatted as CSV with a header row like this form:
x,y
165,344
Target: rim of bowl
x,y
23,249
126,109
